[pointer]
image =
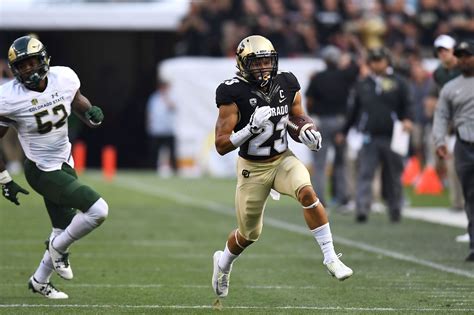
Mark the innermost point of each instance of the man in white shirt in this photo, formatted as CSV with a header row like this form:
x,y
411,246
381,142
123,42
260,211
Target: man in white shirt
x,y
456,105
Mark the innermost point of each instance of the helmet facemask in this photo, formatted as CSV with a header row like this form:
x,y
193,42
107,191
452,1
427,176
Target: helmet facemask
x,y
261,68
35,75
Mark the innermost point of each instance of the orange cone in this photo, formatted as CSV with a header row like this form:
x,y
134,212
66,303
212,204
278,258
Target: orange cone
x,y
411,172
79,153
109,162
429,183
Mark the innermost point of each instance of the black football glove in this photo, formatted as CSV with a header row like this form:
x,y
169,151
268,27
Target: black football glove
x,y
95,115
11,189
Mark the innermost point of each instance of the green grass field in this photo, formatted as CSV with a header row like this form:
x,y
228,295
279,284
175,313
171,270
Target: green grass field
x,y
154,255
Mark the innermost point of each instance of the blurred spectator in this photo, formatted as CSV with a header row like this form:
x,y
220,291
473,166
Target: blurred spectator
x,y
398,27
460,18
217,14
456,105
446,71
299,27
429,19
193,32
273,25
373,26
160,123
329,20
326,103
420,86
377,101
302,34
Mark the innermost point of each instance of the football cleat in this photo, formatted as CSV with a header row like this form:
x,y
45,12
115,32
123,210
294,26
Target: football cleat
x,y
337,269
60,262
220,279
46,289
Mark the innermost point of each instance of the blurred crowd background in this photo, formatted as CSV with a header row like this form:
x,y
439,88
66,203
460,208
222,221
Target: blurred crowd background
x,y
117,64
304,27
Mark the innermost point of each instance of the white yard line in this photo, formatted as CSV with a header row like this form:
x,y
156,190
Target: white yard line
x,y
186,200
242,307
430,292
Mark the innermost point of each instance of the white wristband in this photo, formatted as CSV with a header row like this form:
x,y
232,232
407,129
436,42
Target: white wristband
x,y
5,177
238,138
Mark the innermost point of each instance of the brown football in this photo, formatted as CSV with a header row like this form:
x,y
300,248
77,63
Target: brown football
x,y
298,123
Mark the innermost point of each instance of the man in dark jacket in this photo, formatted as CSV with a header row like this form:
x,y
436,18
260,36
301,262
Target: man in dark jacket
x,y
376,103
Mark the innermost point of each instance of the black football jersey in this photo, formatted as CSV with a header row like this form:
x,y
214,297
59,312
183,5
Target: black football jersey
x,y
281,93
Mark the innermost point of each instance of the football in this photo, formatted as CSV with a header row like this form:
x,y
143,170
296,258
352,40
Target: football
x,y
298,123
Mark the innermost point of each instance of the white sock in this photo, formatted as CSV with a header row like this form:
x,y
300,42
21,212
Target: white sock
x,y
226,260
81,225
45,269
323,236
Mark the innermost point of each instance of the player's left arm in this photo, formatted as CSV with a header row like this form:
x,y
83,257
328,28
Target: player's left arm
x,y
10,189
310,137
91,115
225,124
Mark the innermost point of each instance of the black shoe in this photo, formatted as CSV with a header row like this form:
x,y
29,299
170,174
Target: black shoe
x,y
361,218
395,215
395,218
470,258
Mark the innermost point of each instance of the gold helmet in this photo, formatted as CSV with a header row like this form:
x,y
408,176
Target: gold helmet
x,y
252,48
28,47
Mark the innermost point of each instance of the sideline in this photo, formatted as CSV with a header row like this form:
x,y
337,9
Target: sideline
x,y
441,216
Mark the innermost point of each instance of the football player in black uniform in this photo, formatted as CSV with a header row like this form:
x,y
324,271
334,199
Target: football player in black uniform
x,y
254,108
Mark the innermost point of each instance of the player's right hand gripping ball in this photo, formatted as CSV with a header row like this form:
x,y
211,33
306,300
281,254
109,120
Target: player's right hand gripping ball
x,y
95,115
303,130
296,124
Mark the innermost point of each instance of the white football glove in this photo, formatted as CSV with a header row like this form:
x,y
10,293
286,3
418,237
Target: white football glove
x,y
312,139
258,119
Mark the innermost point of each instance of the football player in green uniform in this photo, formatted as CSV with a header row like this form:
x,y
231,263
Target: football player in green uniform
x,y
37,104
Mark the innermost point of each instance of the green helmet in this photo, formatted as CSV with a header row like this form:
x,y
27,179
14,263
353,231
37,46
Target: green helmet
x,y
28,47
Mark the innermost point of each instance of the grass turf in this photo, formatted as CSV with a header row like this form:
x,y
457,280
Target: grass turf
x,y
154,255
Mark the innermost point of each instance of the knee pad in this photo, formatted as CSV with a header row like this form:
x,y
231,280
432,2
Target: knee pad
x,y
242,244
98,212
307,195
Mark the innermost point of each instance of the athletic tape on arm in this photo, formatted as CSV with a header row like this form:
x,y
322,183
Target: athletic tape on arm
x,y
238,138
